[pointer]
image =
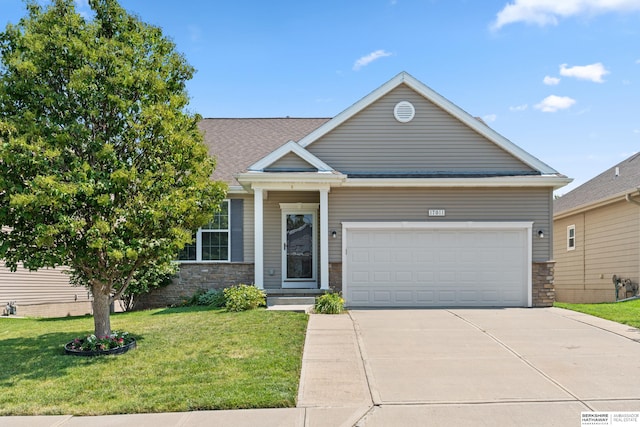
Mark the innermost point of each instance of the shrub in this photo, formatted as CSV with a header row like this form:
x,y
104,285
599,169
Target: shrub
x,y
213,298
329,304
244,297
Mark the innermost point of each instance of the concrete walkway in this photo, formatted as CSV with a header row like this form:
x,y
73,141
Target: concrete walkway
x,y
494,367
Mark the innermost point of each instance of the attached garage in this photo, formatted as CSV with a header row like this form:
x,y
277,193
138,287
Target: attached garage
x,y
437,264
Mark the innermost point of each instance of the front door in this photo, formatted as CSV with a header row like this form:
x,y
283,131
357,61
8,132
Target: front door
x,y
299,249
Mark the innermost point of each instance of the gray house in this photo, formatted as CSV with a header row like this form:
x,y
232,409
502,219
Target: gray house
x,y
597,235
401,200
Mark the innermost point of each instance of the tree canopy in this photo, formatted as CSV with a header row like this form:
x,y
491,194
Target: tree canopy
x,y
102,168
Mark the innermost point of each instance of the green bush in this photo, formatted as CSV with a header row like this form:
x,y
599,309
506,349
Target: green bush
x,y
244,297
213,298
329,304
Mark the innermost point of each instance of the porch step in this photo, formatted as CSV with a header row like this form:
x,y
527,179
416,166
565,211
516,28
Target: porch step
x,y
289,300
306,308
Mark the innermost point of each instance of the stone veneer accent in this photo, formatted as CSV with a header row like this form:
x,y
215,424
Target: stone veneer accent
x,y
544,292
62,309
196,276
335,276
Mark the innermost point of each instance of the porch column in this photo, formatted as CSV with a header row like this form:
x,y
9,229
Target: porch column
x,y
324,238
258,237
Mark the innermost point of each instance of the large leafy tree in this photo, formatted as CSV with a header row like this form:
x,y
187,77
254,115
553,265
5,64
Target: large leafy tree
x,y
102,169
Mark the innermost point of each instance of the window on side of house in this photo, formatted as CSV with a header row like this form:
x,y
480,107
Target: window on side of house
x,y
211,242
571,237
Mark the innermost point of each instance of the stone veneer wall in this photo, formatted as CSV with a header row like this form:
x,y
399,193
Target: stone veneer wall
x,y
544,292
63,309
194,277
335,276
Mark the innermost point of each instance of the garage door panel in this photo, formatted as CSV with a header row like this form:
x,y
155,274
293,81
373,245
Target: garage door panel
x,y
435,267
404,296
382,296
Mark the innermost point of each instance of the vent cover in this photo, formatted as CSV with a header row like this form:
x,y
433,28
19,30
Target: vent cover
x,y
404,111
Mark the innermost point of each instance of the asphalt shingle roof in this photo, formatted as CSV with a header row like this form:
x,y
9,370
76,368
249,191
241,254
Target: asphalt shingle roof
x,y
603,186
238,143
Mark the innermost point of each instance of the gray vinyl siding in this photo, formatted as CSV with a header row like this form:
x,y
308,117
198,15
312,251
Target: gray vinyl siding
x,y
45,286
434,141
607,243
273,232
247,226
291,162
474,204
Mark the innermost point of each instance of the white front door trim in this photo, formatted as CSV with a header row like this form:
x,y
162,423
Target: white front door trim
x,y
300,209
440,225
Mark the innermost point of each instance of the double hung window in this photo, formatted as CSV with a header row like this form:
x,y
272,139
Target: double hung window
x,y
211,242
571,237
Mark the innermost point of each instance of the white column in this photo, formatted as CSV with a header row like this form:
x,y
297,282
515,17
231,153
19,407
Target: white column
x,y
324,238
258,222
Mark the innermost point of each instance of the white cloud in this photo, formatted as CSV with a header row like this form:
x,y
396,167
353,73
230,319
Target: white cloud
x,y
551,81
368,59
553,103
548,12
637,61
519,107
490,118
593,72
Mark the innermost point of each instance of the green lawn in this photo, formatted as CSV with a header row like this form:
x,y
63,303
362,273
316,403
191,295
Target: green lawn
x,y
187,359
627,312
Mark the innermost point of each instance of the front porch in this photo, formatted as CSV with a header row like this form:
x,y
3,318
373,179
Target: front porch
x,y
291,233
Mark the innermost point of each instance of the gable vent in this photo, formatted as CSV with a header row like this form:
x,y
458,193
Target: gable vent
x,y
404,111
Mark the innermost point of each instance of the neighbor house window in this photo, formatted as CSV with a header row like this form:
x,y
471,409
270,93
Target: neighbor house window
x,y
211,242
571,237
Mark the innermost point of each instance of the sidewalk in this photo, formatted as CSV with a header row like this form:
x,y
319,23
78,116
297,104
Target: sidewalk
x,y
333,391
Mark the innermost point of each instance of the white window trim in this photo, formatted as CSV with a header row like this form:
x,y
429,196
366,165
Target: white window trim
x,y
569,238
198,242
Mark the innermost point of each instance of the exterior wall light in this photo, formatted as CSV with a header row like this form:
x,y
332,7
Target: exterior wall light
x,y
334,234
541,234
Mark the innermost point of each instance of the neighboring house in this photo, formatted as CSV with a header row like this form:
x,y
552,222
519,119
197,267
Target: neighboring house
x,y
401,200
597,235
42,293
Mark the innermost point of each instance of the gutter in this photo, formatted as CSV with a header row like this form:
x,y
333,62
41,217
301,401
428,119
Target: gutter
x,y
628,198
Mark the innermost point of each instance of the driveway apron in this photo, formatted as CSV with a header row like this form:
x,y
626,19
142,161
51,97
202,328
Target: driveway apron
x,y
495,366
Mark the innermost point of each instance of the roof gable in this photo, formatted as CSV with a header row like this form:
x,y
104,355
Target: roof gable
x,y
441,102
374,143
271,160
618,180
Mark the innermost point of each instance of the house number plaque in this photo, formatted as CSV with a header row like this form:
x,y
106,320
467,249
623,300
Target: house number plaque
x,y
436,212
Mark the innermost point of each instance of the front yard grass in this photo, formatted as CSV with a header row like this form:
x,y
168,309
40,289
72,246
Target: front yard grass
x,y
626,312
187,359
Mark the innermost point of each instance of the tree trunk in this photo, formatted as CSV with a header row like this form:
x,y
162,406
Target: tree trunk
x,y
101,312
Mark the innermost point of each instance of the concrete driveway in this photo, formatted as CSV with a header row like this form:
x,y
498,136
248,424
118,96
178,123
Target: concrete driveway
x,y
478,367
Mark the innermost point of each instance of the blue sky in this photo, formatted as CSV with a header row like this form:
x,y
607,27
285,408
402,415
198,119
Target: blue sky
x,y
560,78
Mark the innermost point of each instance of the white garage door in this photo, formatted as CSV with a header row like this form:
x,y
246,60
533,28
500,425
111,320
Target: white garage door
x,y
455,264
